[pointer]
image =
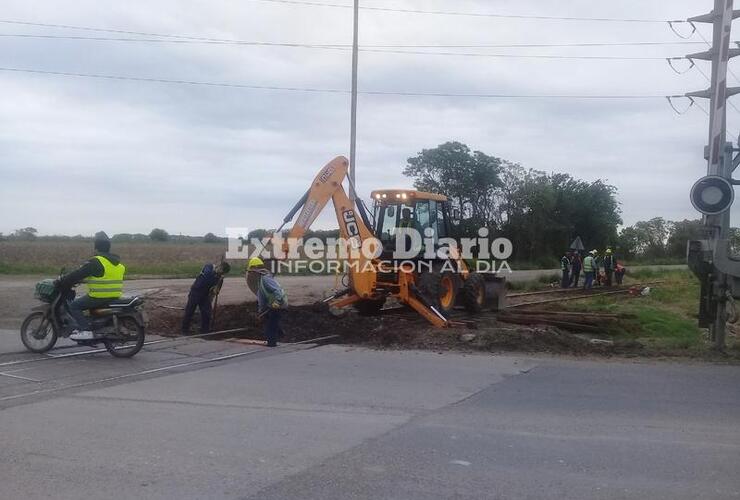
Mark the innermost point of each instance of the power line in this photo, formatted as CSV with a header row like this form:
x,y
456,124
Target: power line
x,y
175,40
701,108
732,104
471,14
332,91
184,39
534,45
516,56
103,30
729,69
344,48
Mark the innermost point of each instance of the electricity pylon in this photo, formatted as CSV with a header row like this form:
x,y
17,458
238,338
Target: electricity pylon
x,y
712,195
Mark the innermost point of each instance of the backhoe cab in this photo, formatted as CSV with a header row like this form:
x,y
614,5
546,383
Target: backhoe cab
x,y
398,209
431,286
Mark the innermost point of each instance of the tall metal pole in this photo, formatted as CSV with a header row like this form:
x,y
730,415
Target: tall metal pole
x,y
353,119
722,22
719,163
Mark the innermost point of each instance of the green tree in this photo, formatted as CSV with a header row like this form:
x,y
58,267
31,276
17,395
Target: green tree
x,y
647,238
628,243
680,233
25,234
540,213
159,235
544,213
469,179
653,235
212,238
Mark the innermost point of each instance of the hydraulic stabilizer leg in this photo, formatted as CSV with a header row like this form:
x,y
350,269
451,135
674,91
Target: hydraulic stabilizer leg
x,y
422,305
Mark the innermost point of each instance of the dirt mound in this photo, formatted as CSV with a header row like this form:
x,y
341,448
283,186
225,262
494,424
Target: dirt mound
x,y
298,323
397,329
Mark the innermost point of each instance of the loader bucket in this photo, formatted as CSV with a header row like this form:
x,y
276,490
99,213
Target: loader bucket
x,y
495,292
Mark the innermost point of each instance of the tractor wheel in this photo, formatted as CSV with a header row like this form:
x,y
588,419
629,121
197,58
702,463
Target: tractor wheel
x,y
439,288
474,293
369,307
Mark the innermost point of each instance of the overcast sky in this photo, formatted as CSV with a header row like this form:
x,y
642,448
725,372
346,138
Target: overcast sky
x,y
79,154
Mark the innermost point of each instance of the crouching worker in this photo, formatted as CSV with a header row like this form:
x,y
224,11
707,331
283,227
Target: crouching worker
x,y
271,298
201,295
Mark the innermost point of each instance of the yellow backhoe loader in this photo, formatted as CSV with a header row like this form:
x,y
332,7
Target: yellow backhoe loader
x,y
432,289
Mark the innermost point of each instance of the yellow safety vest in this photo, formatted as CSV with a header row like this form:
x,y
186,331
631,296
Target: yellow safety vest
x,y
588,264
110,284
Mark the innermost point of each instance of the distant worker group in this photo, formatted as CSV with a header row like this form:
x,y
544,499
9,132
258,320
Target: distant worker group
x,y
600,270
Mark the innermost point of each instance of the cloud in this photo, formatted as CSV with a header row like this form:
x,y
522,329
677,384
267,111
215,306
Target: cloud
x,y
82,154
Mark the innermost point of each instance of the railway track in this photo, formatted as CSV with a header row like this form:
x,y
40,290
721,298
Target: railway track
x,y
521,299
54,353
563,294
23,367
41,390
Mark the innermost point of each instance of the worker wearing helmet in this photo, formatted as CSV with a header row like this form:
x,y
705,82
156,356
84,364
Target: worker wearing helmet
x,y
589,269
609,264
271,298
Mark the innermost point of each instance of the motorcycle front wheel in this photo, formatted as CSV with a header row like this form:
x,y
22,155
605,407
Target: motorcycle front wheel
x,y
128,341
38,333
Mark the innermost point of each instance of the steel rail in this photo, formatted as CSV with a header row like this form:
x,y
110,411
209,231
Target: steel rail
x,y
164,368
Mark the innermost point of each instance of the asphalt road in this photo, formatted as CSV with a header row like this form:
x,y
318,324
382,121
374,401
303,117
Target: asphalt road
x,y
336,422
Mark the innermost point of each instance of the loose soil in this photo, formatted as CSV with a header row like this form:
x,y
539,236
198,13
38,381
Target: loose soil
x,y
399,329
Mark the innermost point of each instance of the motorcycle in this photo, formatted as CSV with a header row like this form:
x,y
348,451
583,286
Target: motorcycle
x,y
119,326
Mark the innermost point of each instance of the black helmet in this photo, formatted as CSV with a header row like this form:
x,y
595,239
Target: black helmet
x,y
102,242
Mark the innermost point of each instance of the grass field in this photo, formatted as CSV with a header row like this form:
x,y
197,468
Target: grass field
x,y
160,259
666,319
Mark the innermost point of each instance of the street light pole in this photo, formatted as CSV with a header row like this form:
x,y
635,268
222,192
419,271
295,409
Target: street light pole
x,y
353,119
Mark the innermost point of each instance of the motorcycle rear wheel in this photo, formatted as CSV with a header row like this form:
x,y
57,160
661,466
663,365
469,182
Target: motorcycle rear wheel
x,y
130,338
38,333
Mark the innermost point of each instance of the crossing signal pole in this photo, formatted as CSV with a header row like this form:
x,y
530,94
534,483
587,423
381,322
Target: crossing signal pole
x,y
713,194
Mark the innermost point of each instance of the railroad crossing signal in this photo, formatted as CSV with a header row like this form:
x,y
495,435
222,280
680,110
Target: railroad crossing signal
x,y
713,194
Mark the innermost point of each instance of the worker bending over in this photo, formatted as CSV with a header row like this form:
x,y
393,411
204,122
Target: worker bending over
x,y
201,295
271,298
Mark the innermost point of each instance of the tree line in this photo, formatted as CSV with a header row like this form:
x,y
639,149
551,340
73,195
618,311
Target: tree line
x,y
540,213
658,238
156,235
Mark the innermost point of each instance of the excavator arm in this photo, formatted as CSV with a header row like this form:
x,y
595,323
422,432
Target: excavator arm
x,y
353,224
360,242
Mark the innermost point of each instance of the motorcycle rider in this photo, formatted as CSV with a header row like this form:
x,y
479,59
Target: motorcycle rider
x,y
103,274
